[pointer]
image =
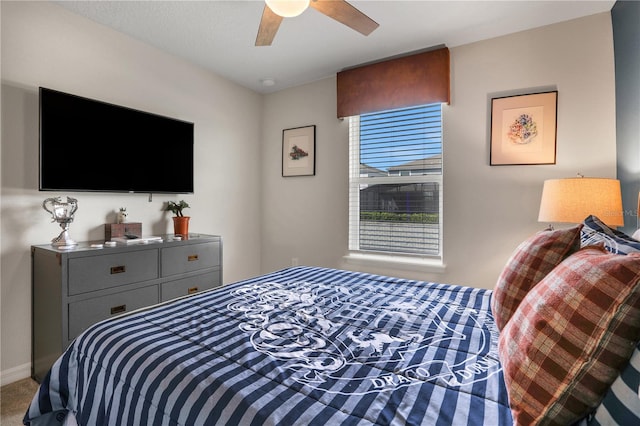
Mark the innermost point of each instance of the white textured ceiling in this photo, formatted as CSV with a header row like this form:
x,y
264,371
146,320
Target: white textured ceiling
x,y
220,35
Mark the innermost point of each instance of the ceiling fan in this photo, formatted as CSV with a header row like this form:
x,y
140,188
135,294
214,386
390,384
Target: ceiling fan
x,y
340,10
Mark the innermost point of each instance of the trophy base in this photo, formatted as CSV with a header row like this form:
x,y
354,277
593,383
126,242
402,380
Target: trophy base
x,y
63,240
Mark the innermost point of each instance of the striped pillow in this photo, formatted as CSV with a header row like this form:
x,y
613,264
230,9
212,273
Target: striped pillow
x,y
595,232
621,404
571,335
531,261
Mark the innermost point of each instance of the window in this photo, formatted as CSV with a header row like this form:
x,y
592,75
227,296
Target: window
x,y
395,181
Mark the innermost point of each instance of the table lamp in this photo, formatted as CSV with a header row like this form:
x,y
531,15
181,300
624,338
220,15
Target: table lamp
x,y
571,200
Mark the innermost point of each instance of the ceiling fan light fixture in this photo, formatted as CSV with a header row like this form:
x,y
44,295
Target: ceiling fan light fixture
x,y
287,8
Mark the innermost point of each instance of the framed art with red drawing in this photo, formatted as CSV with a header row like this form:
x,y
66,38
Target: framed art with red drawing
x,y
299,151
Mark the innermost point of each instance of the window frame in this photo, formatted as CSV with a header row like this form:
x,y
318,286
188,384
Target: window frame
x,y
356,255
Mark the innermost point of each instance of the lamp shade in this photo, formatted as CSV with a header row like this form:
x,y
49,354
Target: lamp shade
x,y
287,8
571,200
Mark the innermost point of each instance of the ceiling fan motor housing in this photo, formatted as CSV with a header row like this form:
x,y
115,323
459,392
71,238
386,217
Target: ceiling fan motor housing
x,y
288,8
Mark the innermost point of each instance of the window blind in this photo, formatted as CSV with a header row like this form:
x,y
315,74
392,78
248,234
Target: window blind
x,y
396,181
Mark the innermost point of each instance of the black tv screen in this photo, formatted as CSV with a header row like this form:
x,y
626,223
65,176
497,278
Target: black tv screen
x,y
89,145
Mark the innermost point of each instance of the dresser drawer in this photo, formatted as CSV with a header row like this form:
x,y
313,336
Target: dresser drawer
x,y
84,313
188,258
172,289
99,272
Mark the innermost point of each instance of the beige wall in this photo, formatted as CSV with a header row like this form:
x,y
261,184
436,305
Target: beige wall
x,y
305,217
45,45
488,210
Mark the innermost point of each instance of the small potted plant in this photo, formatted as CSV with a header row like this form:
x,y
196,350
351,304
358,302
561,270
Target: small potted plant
x,y
180,221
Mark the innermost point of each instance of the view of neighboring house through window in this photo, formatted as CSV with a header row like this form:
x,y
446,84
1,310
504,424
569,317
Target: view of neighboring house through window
x,y
395,181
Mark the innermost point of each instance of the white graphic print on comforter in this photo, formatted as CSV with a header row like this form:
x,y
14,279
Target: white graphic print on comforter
x,y
320,331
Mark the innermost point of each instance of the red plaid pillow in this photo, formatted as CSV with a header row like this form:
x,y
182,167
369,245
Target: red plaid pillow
x,y
570,336
532,260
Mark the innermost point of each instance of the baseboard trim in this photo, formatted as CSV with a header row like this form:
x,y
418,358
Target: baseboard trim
x,y
14,374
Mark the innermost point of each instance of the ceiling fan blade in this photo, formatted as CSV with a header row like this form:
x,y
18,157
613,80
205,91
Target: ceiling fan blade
x,y
269,25
346,14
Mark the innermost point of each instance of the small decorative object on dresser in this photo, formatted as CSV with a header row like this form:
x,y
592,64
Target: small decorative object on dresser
x,y
180,221
122,215
115,230
62,211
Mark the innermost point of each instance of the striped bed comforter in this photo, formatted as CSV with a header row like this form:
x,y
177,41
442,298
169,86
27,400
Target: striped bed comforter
x,y
300,346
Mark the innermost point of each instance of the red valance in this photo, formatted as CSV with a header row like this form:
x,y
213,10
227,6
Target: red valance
x,y
406,81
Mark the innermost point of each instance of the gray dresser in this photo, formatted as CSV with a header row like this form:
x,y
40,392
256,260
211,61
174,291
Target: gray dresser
x,y
73,289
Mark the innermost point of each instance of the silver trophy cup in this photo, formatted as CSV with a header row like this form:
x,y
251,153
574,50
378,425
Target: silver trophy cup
x,y
62,212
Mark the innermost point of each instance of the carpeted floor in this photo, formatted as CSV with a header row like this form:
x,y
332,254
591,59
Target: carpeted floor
x,y
14,401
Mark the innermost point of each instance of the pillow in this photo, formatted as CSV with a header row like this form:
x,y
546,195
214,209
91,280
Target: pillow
x,y
570,336
595,231
621,404
531,261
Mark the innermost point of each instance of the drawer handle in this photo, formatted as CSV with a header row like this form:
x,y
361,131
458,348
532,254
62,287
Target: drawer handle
x,y
192,257
192,290
118,309
118,269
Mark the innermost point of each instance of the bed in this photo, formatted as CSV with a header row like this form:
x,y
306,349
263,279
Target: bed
x,y
311,346
299,346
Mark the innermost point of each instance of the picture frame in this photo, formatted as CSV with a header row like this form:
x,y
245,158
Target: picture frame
x,y
523,129
299,151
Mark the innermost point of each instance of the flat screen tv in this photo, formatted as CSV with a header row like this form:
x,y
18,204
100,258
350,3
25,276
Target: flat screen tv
x,y
90,145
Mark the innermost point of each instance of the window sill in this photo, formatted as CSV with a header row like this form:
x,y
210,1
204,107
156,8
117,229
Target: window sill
x,y
396,262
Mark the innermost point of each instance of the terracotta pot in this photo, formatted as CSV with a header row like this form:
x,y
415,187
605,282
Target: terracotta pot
x,y
181,226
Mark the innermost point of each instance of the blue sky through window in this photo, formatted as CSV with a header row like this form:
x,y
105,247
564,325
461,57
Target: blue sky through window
x,y
397,137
